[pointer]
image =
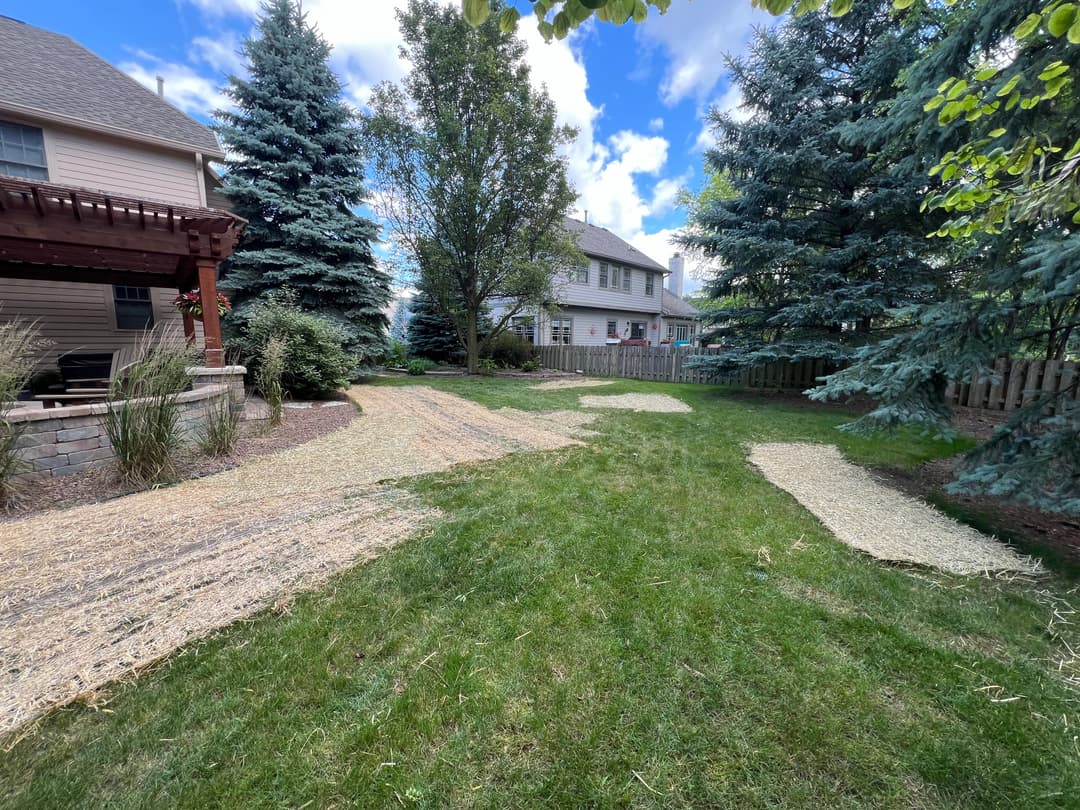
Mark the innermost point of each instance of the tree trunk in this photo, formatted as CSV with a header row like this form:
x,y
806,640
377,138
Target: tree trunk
x,y
472,345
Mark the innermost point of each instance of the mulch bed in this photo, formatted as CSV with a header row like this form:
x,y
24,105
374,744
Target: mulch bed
x,y
299,425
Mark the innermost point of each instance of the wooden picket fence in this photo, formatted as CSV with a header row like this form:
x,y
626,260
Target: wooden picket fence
x,y
668,364
1015,383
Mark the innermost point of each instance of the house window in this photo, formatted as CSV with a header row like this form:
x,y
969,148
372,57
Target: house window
x,y
612,329
134,309
682,332
524,327
648,283
626,279
22,151
561,331
637,330
603,275
670,331
581,274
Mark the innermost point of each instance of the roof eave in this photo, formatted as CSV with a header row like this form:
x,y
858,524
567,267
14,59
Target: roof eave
x,y
622,260
119,132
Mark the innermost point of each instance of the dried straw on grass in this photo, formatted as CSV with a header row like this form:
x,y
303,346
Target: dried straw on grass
x,y
877,519
570,382
652,403
91,593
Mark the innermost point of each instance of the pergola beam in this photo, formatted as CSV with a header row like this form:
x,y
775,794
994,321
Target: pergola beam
x,y
50,232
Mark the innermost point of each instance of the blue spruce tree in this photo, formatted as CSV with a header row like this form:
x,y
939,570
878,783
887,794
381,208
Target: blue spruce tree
x,y
295,172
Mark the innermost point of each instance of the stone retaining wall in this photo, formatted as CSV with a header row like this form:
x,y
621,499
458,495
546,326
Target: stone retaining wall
x,y
63,441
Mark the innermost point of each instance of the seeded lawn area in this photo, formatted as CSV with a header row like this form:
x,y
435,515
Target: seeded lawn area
x,y
641,621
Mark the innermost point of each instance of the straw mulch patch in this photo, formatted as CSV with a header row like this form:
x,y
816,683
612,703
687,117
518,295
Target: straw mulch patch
x,y
877,519
92,593
651,403
570,382
103,483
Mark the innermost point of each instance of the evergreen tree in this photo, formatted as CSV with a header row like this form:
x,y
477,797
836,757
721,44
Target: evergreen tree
x,y
1023,299
431,334
823,243
295,173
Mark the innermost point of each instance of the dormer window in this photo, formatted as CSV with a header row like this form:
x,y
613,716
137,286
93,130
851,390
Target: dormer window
x,y
22,151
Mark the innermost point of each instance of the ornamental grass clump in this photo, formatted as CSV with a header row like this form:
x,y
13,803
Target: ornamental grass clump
x,y
221,430
268,377
143,418
20,345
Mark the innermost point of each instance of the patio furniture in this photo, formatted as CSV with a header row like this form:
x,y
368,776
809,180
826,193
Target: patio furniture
x,y
87,376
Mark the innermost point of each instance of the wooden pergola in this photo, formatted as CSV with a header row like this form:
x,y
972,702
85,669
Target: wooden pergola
x,y
63,233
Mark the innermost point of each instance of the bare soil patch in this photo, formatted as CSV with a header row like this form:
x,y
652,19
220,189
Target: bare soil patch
x,y
91,593
877,519
652,403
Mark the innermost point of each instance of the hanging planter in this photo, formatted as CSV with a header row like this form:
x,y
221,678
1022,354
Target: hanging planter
x,y
190,303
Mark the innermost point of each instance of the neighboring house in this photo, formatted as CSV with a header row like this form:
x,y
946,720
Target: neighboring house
x,y
679,319
69,117
616,296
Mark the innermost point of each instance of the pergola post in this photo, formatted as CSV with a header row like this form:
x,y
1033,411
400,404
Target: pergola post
x,y
211,319
189,324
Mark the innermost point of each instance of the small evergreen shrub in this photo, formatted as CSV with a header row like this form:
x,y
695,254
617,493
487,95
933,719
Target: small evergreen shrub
x,y
419,366
316,361
530,365
507,350
268,377
20,345
487,367
143,419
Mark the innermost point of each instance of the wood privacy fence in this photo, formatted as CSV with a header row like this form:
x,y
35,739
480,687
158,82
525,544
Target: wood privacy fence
x,y
1015,383
668,364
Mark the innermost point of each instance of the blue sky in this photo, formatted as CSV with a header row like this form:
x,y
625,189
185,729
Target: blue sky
x,y
637,94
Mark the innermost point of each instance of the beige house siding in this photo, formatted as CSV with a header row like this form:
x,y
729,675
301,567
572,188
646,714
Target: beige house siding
x,y
79,317
100,163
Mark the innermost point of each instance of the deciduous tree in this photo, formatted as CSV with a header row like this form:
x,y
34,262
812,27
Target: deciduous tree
x,y
467,170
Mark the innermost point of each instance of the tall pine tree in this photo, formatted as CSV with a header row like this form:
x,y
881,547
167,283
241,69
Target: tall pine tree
x,y
822,243
295,172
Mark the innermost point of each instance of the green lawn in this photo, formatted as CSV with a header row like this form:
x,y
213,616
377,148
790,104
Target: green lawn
x,y
641,622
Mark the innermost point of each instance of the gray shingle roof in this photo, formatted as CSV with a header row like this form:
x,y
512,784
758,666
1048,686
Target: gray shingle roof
x,y
56,76
601,242
675,307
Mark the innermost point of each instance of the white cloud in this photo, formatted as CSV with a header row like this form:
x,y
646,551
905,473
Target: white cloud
x,y
222,53
184,87
694,37
366,41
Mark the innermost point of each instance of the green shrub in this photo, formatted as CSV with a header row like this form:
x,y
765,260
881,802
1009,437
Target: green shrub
x,y
397,355
20,345
316,361
487,367
530,365
143,419
268,377
220,432
507,350
419,366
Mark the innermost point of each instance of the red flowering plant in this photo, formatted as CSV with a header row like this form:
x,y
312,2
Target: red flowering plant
x,y
190,303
